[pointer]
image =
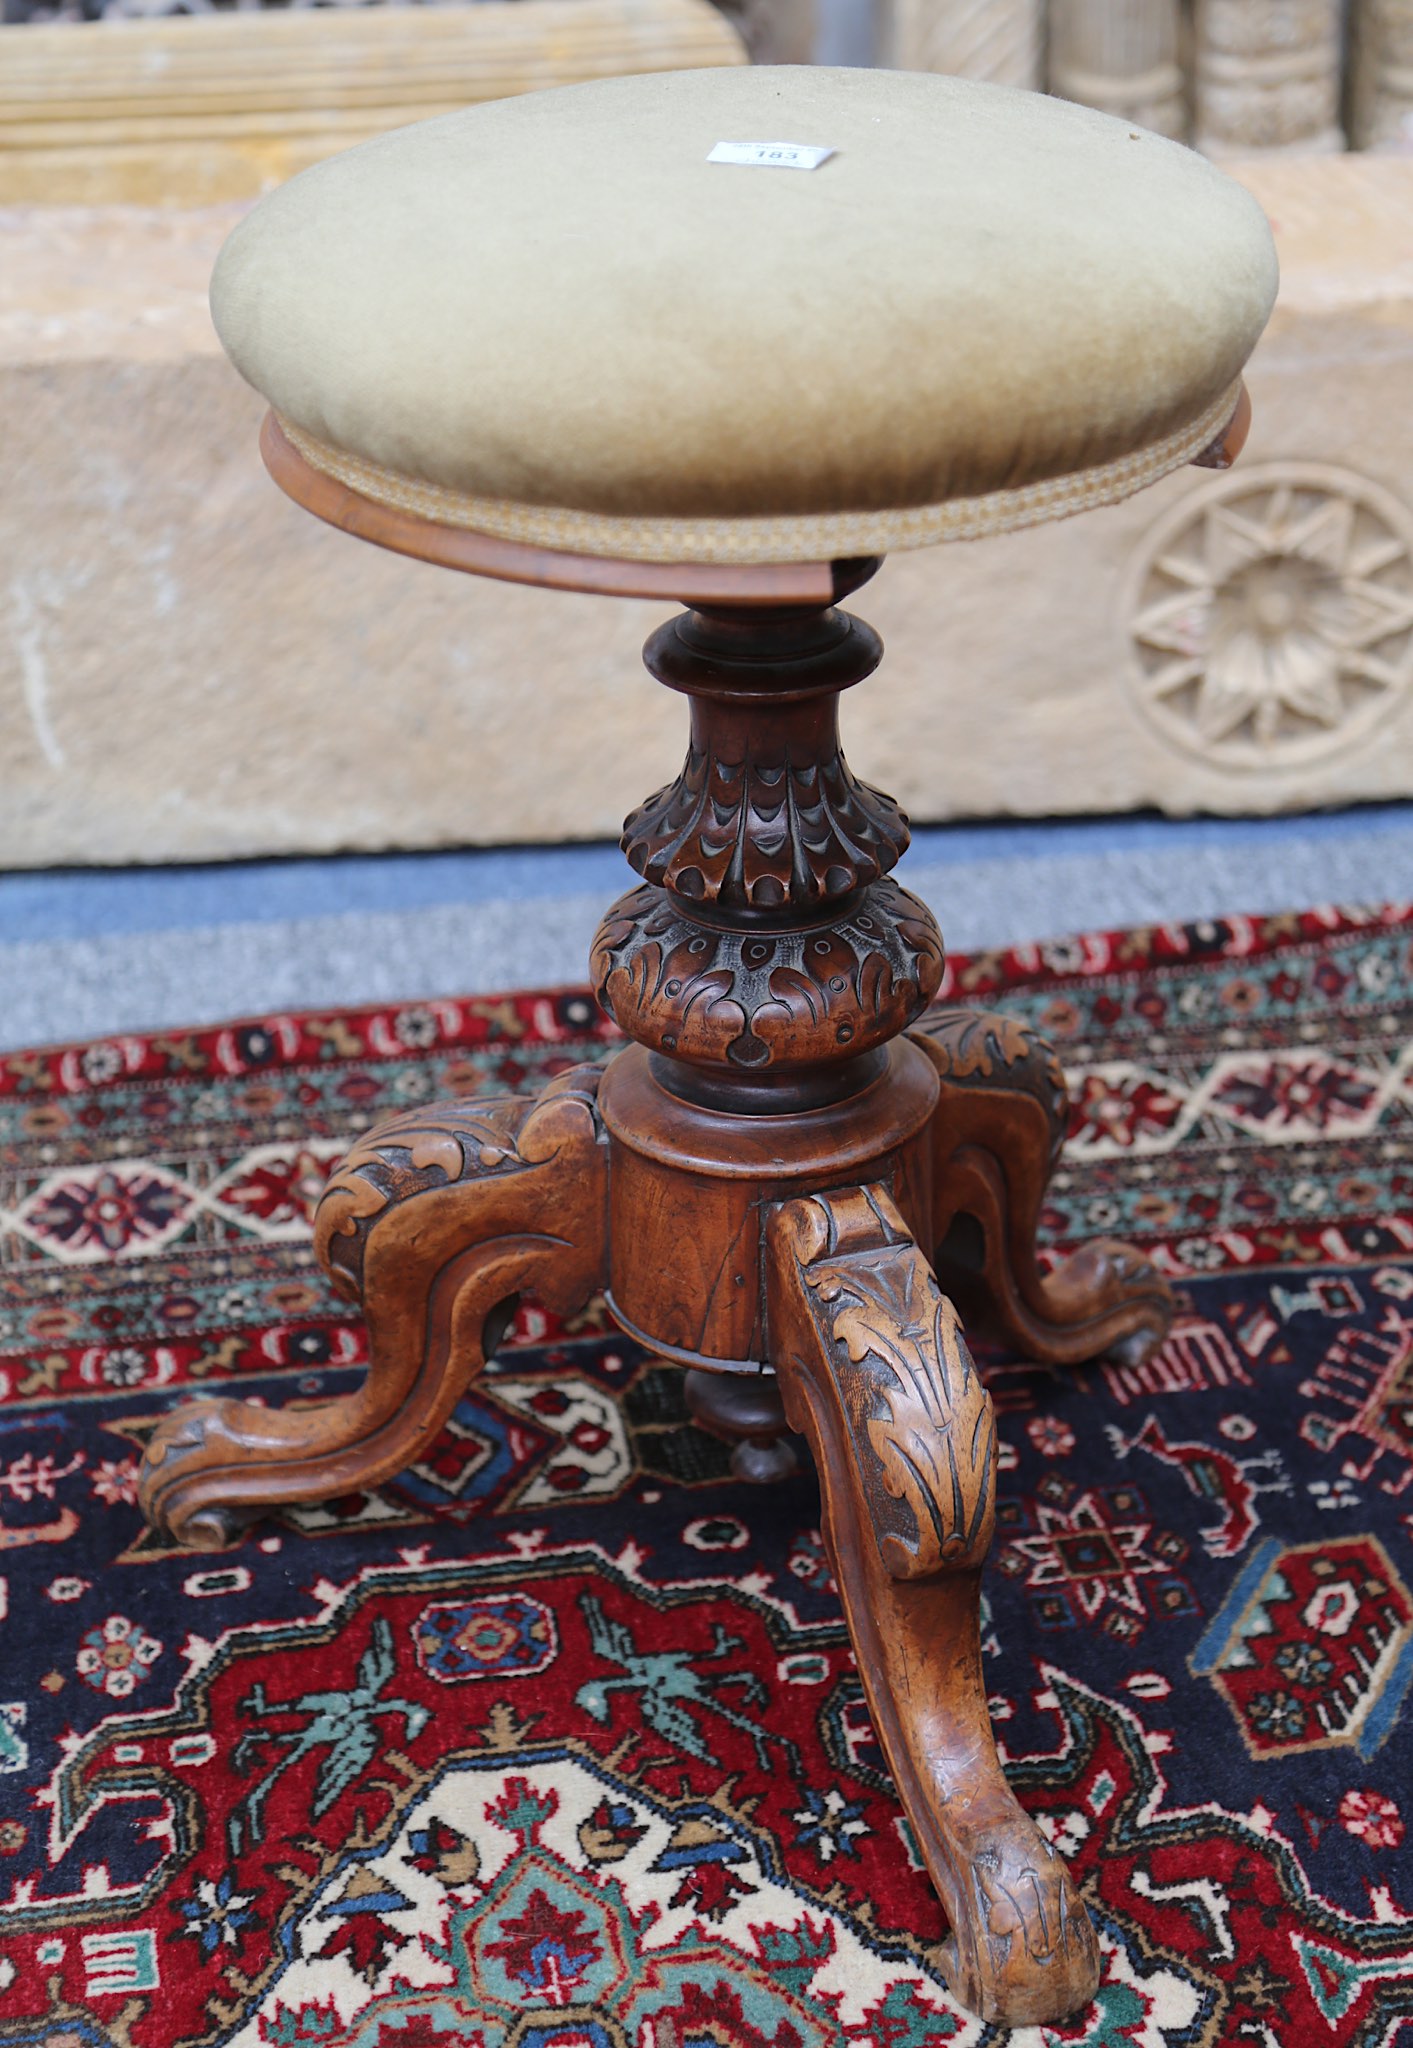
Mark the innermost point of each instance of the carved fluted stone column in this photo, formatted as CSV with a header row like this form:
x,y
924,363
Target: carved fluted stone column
x,y
1122,56
1268,75
999,40
1382,99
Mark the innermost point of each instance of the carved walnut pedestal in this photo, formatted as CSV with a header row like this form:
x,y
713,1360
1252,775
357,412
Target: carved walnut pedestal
x,y
773,1183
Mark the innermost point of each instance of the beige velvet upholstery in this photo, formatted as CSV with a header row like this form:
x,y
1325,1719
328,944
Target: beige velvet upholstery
x,y
552,319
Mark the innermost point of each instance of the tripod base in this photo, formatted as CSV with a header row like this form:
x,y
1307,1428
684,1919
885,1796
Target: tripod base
x,y
798,1242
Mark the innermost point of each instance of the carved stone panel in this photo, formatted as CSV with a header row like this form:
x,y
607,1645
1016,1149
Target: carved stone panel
x,y
1270,616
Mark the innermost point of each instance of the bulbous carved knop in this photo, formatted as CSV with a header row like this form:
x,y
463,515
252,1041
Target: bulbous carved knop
x,y
755,998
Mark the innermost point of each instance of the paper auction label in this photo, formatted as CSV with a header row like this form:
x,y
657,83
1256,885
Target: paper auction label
x,y
771,156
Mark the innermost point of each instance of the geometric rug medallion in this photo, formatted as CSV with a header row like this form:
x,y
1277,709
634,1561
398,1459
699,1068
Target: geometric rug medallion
x,y
557,1741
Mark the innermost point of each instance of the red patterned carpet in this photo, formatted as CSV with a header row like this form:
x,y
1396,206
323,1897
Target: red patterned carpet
x,y
556,1742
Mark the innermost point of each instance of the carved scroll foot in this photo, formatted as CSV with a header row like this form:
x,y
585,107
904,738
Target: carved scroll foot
x,y
435,1222
997,1135
874,1370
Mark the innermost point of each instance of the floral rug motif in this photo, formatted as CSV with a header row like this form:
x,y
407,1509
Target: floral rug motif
x,y
557,1741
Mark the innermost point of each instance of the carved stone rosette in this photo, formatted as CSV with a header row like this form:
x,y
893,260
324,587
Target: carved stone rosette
x,y
1270,617
1268,75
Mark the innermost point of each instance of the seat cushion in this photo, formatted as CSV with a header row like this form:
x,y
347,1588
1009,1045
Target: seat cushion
x,y
554,320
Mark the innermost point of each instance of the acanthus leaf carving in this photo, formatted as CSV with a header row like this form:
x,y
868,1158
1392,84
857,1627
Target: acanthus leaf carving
x,y
750,998
988,1049
920,1421
407,1154
435,1222
874,1368
998,1133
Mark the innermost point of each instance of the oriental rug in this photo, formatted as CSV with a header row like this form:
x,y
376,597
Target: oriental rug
x,y
556,1742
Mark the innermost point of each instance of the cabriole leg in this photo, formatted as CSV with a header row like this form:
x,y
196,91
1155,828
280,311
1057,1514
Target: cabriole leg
x,y
435,1222
998,1130
874,1369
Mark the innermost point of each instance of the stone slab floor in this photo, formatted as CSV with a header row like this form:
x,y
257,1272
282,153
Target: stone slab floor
x,y
87,952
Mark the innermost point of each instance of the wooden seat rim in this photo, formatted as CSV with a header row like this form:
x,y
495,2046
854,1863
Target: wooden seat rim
x,y
694,583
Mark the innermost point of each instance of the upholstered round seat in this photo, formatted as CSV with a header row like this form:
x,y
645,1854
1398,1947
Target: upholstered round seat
x,y
553,319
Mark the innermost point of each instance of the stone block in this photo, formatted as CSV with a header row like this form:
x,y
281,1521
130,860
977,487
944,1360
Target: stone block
x,y
190,668
185,110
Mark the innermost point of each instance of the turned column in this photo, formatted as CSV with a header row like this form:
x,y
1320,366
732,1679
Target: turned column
x,y
766,967
766,960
